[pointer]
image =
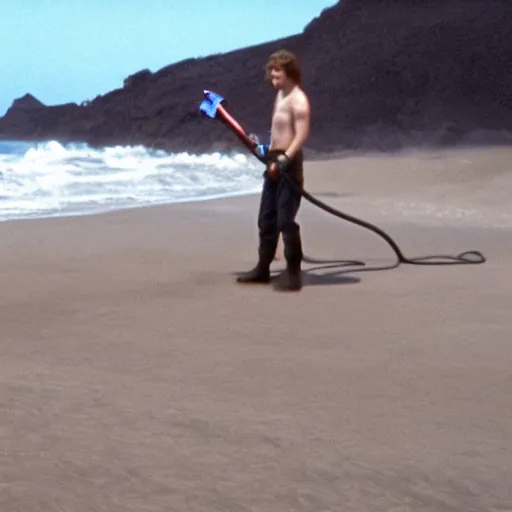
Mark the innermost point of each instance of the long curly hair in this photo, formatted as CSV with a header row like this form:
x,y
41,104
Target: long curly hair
x,y
288,62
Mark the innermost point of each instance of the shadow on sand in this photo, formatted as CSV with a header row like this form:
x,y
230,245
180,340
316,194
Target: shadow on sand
x,y
338,271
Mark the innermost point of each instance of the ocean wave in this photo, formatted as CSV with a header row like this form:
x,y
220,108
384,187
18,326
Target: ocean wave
x,y
47,179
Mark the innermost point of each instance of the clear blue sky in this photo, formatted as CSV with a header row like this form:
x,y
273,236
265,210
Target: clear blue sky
x,y
73,50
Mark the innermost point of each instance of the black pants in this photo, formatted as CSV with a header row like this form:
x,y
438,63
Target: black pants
x,y
279,205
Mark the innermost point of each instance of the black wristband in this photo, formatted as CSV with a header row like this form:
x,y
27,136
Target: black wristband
x,y
282,162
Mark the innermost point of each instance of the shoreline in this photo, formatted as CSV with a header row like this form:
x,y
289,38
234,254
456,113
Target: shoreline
x,y
455,187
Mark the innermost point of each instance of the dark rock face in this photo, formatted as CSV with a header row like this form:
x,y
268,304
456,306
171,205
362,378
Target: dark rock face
x,y
381,74
26,102
21,113
137,79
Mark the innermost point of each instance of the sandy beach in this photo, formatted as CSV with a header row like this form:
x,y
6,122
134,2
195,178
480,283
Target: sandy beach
x,y
136,375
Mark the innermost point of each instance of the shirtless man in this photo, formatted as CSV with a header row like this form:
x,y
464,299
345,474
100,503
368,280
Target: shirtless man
x,y
280,201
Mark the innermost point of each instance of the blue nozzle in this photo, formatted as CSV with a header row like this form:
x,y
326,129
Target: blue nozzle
x,y
210,103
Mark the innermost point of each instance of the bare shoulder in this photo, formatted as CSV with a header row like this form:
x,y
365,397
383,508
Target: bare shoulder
x,y
300,102
300,95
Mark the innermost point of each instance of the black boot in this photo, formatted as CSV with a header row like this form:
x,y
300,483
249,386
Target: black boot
x,y
291,278
261,272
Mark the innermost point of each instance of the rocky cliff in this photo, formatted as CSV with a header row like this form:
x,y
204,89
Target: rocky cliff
x,y
381,74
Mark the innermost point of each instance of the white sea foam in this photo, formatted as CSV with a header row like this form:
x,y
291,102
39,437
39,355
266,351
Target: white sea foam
x,y
48,179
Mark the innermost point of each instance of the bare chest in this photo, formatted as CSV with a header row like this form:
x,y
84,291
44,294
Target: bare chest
x,y
282,118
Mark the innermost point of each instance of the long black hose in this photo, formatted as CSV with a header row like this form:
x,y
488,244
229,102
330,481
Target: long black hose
x,y
467,257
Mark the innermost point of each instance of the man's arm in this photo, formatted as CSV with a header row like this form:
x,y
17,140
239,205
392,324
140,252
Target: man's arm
x,y
271,143
301,113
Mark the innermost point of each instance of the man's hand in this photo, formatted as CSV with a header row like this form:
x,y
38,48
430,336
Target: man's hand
x,y
254,138
274,168
272,171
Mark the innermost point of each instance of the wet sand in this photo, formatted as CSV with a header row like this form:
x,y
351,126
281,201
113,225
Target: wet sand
x,y
136,375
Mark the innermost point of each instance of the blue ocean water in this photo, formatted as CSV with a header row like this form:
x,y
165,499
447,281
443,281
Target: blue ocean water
x,y
52,179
